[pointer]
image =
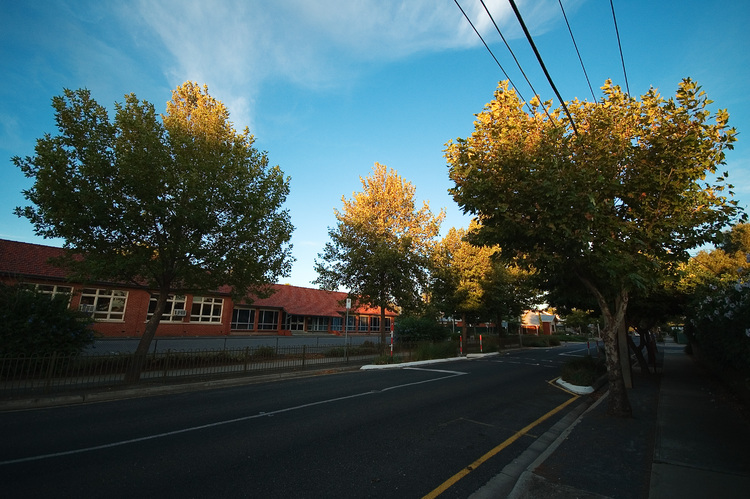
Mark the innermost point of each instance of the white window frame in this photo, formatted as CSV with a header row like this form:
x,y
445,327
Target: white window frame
x,y
174,302
363,324
295,322
236,325
263,320
55,290
206,309
319,324
109,305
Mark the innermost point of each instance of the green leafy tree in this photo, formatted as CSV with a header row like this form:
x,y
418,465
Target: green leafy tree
x,y
175,203
35,323
459,270
615,205
579,320
509,290
717,283
381,246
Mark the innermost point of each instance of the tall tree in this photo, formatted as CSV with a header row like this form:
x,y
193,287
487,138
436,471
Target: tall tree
x,y
614,204
509,290
380,248
173,205
459,271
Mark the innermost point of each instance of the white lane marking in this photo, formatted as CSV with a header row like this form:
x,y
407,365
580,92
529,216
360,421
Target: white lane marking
x,y
225,422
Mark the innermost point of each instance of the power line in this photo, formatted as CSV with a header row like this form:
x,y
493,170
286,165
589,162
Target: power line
x,y
514,57
490,51
541,63
627,85
576,47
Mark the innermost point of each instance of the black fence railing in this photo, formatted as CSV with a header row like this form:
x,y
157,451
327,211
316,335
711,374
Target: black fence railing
x,y
56,373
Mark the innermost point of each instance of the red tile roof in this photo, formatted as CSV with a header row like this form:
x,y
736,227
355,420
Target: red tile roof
x,y
29,260
32,261
296,300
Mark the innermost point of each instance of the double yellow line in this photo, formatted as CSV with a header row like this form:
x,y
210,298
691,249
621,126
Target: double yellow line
x,y
523,431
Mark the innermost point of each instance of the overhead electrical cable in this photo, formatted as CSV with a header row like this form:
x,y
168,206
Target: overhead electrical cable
x,y
514,57
576,47
541,63
490,51
619,45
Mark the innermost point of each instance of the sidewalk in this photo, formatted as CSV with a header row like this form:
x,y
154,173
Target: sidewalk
x,y
688,438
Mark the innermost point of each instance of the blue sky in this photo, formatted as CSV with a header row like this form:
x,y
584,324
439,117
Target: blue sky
x,y
330,87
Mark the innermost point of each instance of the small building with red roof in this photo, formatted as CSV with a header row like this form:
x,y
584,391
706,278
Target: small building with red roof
x,y
121,310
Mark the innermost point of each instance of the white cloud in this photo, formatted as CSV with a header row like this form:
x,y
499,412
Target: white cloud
x,y
238,45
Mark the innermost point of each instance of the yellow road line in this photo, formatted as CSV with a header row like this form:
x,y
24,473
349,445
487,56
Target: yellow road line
x,y
458,476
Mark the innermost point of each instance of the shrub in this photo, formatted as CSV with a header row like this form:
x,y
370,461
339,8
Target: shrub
x,y
264,353
37,323
583,371
411,328
428,351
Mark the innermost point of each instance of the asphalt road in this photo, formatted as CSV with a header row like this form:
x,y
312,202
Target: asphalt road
x,y
386,433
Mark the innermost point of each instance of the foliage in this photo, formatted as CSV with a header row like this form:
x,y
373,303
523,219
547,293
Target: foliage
x,y
381,245
718,322
411,328
579,320
178,204
34,323
583,371
615,206
459,269
540,341
430,350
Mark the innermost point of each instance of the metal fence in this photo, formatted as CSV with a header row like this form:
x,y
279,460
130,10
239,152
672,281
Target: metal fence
x,y
58,373
54,373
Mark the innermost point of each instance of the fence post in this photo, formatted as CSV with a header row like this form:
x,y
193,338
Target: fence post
x,y
50,371
247,359
304,352
166,362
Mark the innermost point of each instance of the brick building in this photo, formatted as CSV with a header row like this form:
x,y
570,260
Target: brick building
x,y
122,311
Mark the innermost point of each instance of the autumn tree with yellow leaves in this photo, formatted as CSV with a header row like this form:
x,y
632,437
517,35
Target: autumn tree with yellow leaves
x,y
175,203
381,246
613,205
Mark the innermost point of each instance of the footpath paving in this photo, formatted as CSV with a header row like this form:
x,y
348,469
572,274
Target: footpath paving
x,y
688,438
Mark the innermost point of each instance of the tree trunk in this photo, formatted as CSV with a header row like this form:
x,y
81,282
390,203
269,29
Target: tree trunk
x,y
133,374
618,404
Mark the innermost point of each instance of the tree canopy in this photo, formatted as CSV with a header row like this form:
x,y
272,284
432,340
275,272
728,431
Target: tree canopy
x,y
174,203
381,246
614,205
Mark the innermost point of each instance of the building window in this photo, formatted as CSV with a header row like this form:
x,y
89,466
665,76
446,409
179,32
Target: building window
x,y
295,322
374,323
243,318
206,309
320,324
174,311
336,323
268,319
364,323
104,304
351,323
387,323
54,291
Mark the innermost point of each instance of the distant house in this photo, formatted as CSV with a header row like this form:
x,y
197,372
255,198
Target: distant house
x,y
122,311
534,322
